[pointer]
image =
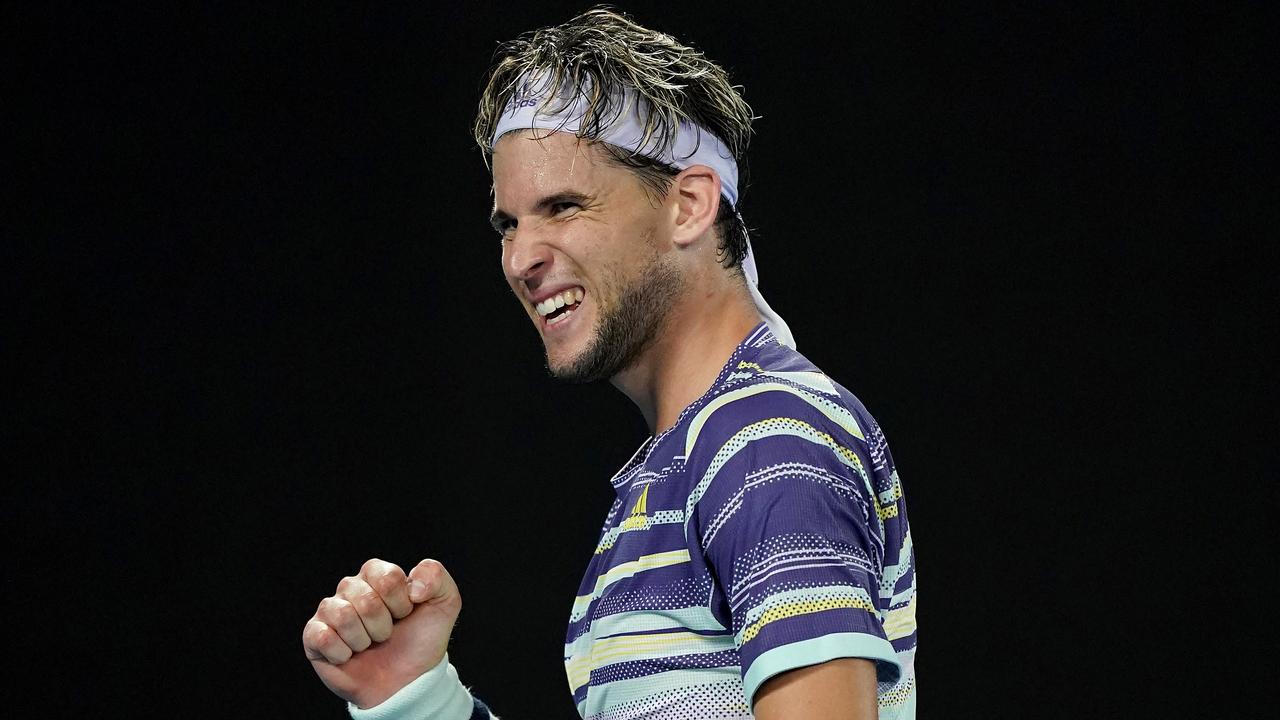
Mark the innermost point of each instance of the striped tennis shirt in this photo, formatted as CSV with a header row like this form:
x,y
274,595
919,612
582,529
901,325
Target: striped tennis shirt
x,y
765,531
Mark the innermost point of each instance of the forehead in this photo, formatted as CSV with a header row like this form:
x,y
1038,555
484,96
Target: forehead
x,y
536,163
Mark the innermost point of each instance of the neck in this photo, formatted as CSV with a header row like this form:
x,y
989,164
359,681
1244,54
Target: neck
x,y
699,335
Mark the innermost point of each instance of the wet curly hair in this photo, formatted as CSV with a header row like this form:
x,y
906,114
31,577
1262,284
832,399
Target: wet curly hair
x,y
596,54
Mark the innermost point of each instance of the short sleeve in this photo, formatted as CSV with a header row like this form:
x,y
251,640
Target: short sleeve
x,y
787,519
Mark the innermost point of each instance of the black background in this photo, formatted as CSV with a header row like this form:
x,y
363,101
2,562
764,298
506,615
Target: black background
x,y
261,335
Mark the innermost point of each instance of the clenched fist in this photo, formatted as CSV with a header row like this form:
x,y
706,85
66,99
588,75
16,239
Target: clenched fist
x,y
382,629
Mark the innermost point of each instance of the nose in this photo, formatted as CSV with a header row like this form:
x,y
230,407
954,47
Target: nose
x,y
525,257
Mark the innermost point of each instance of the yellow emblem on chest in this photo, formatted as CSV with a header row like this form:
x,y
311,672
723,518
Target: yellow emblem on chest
x,y
638,518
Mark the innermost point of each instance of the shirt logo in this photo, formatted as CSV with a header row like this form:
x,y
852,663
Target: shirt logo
x,y
638,518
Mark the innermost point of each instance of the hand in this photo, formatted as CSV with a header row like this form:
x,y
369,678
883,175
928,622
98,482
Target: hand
x,y
381,630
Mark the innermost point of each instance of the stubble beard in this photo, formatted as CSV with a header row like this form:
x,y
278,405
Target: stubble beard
x,y
624,331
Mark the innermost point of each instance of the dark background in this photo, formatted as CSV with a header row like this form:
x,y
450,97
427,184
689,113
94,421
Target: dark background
x,y
261,335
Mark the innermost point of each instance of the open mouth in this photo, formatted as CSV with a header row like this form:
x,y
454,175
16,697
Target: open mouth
x,y
560,306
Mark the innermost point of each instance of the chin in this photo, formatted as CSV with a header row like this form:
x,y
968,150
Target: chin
x,y
618,333
574,366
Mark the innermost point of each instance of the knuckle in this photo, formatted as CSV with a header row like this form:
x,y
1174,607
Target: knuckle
x,y
312,633
347,612
340,613
323,637
326,643
367,603
324,610
387,584
430,568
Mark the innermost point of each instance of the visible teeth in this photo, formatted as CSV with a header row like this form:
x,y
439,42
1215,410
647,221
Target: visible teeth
x,y
559,300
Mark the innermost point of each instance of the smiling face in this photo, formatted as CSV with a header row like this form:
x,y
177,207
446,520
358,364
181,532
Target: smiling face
x,y
584,250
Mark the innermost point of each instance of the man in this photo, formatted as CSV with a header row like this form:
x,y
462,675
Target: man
x,y
757,560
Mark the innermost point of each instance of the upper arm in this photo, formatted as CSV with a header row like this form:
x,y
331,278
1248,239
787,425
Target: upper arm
x,y
843,689
789,518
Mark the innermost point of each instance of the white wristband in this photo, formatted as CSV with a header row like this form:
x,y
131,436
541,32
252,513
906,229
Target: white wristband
x,y
436,694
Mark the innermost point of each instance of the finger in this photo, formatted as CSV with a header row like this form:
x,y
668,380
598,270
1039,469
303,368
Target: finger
x,y
322,643
430,582
340,615
389,581
368,604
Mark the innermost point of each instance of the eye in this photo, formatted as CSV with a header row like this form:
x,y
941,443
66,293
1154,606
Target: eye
x,y
561,207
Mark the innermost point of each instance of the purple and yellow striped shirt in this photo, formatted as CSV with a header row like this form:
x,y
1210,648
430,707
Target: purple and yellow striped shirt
x,y
765,531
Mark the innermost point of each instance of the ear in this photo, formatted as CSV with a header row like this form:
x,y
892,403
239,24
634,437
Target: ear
x,y
695,193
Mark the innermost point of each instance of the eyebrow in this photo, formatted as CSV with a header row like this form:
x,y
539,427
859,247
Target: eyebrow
x,y
499,218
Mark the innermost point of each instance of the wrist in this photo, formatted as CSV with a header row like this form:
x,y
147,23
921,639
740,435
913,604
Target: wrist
x,y
437,694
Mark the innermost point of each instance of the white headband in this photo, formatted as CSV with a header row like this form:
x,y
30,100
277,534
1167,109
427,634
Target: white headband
x,y
692,145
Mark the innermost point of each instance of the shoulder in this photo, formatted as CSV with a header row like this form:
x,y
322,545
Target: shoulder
x,y
775,391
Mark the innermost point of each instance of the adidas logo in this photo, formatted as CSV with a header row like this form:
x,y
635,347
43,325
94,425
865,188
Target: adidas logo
x,y
638,518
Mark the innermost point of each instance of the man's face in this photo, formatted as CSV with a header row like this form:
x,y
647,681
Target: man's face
x,y
583,250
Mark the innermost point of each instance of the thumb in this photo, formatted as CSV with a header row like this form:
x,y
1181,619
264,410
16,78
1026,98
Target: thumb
x,y
429,582
418,591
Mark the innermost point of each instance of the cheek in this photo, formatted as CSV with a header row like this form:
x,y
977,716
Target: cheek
x,y
595,244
